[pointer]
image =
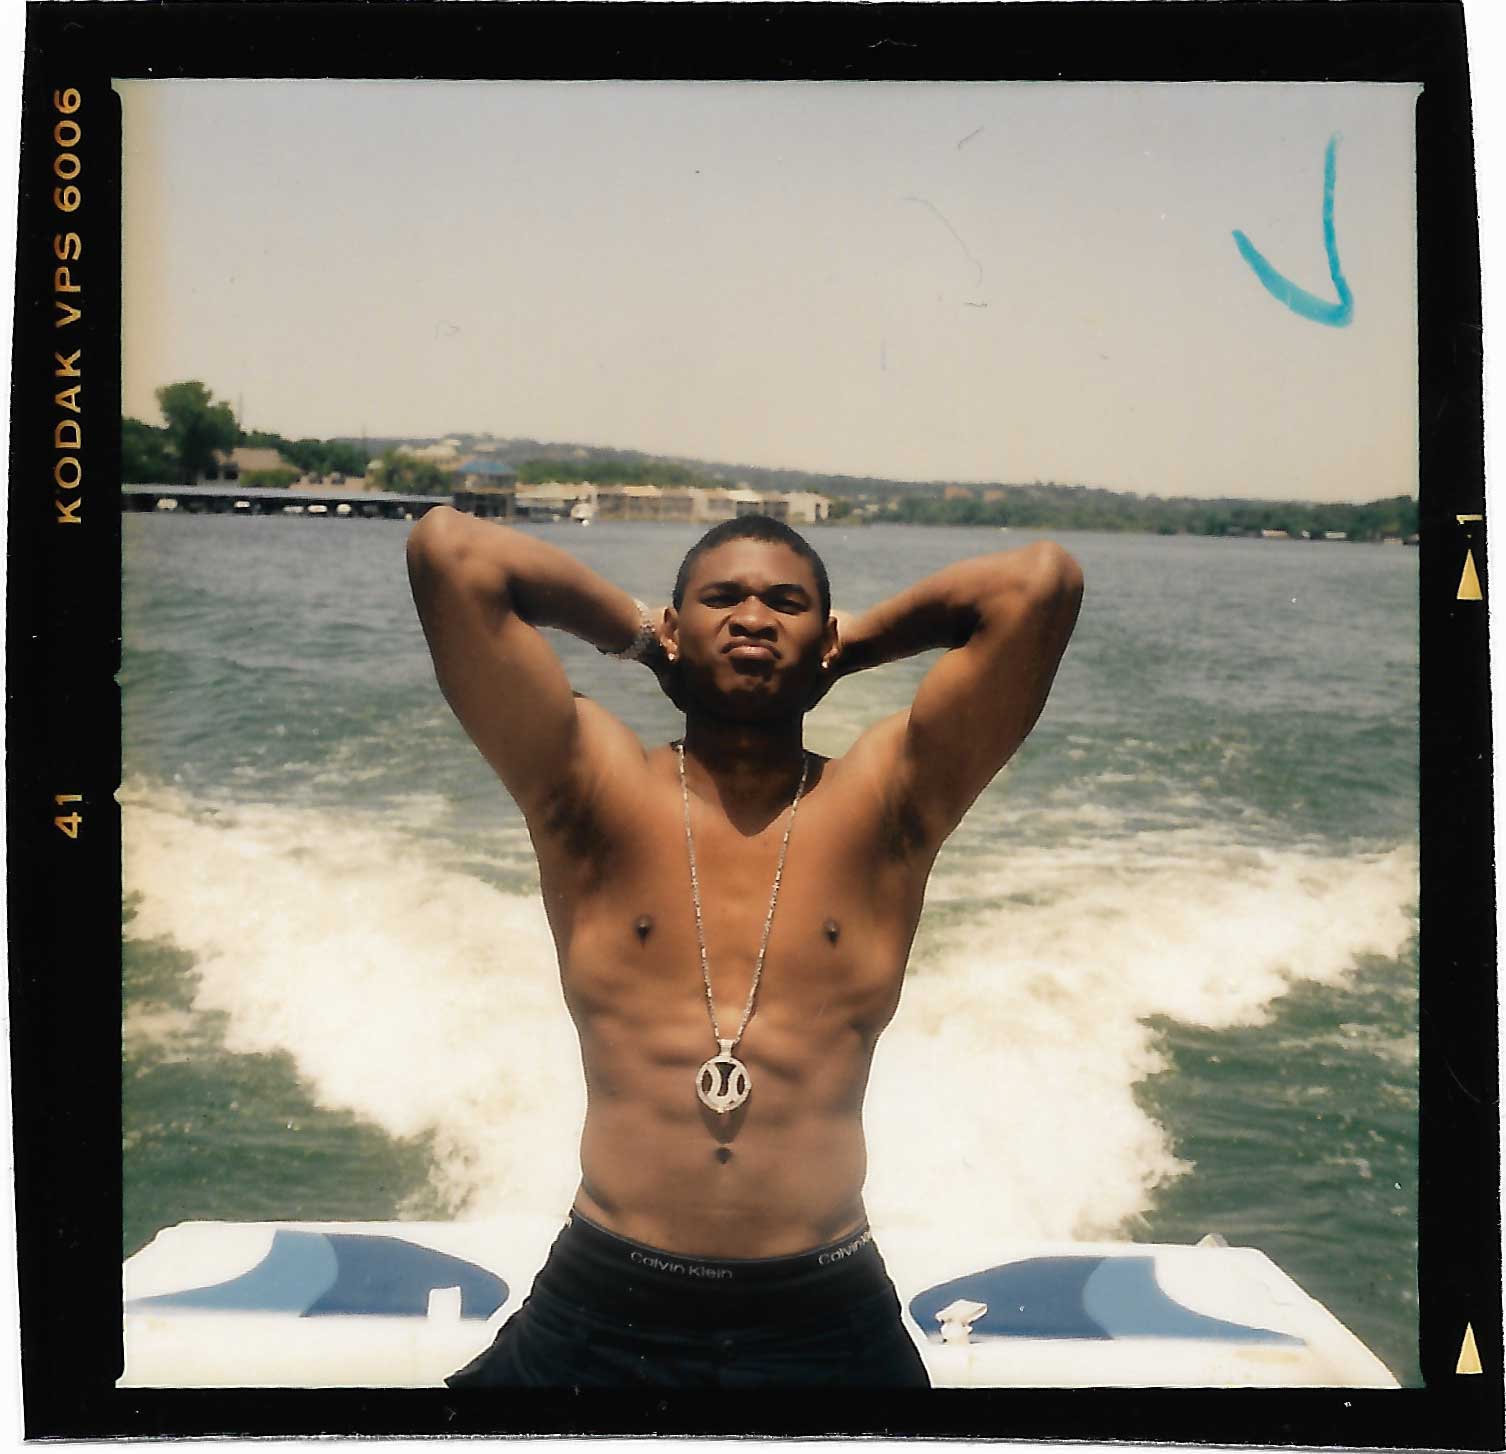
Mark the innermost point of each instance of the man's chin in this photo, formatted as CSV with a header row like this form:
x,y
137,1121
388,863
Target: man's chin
x,y
751,703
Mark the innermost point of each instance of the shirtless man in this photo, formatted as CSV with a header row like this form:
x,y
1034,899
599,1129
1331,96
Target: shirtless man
x,y
718,1237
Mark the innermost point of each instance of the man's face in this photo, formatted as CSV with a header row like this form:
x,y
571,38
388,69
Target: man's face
x,y
750,632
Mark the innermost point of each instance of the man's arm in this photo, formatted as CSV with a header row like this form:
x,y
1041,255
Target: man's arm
x,y
482,591
1007,619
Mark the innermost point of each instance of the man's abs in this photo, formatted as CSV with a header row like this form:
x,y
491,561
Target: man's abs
x,y
759,1196
779,1174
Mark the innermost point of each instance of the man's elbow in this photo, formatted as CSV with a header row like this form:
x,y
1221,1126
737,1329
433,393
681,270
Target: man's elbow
x,y
1063,572
439,554
455,554
440,531
1052,579
448,542
433,537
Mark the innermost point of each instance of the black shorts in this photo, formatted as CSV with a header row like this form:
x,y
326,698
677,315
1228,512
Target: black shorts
x,y
606,1312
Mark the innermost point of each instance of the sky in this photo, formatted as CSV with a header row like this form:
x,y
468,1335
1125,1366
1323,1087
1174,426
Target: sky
x,y
970,282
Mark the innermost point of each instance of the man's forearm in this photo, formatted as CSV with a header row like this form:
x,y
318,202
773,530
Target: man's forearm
x,y
540,583
945,609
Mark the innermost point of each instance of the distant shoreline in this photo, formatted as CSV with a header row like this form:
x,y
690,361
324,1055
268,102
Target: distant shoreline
x,y
456,465
341,503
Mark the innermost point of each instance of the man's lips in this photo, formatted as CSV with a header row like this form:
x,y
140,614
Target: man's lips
x,y
750,651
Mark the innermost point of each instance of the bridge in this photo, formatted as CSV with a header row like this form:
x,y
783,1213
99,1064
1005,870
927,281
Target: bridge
x,y
232,499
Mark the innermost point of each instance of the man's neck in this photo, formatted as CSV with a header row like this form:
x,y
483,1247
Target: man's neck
x,y
752,770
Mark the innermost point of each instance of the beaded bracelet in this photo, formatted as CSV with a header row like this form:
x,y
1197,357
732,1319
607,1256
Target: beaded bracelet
x,y
641,644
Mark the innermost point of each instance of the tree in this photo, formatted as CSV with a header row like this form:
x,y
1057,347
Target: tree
x,y
608,472
269,479
146,454
333,457
197,427
410,476
314,456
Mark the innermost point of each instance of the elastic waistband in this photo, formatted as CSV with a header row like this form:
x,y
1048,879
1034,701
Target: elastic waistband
x,y
599,1269
745,1271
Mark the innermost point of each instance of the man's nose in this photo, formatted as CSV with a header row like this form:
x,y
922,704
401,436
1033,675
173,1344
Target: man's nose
x,y
752,618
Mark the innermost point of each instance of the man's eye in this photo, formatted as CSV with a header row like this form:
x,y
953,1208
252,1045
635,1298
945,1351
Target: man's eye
x,y
787,604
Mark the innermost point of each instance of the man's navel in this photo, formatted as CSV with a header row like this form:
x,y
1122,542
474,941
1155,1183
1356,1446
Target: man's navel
x,y
643,926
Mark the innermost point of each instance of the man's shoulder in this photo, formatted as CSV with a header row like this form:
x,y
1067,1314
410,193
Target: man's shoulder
x,y
868,771
607,757
607,743
873,789
874,757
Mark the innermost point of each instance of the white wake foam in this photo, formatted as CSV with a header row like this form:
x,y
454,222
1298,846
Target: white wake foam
x,y
1002,1098
409,993
1004,1090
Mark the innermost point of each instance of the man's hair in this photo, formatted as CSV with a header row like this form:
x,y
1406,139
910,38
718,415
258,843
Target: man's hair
x,y
755,527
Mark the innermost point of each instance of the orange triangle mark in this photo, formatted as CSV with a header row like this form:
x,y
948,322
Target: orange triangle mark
x,y
1469,1355
1469,582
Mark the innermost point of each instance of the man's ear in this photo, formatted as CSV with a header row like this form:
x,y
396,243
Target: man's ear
x,y
831,642
669,632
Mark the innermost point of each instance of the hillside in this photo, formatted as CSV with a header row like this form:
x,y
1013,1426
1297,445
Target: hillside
x,y
1038,505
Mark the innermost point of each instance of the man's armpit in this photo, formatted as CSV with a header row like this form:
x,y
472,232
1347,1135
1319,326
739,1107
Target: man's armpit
x,y
572,822
902,828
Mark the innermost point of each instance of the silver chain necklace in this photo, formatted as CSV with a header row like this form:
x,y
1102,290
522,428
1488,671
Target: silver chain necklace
x,y
722,1082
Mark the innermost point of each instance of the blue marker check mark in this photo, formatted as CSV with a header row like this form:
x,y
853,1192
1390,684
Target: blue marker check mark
x,y
1299,300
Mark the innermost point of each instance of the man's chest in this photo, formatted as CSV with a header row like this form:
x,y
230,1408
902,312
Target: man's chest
x,y
828,912
839,856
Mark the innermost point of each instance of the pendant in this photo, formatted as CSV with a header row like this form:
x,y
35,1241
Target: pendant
x,y
722,1082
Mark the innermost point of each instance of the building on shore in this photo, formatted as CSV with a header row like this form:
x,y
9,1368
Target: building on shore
x,y
445,453
801,507
702,505
488,502
711,506
245,459
642,502
678,502
480,469
486,487
552,500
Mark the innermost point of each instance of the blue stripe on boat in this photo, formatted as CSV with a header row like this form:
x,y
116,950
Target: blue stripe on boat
x,y
315,1274
388,1277
1125,1300
1079,1297
298,1269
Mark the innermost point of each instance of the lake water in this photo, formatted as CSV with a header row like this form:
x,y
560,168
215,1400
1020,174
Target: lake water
x,y
1166,983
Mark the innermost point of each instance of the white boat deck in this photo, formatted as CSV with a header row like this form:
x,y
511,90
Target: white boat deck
x,y
401,1304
